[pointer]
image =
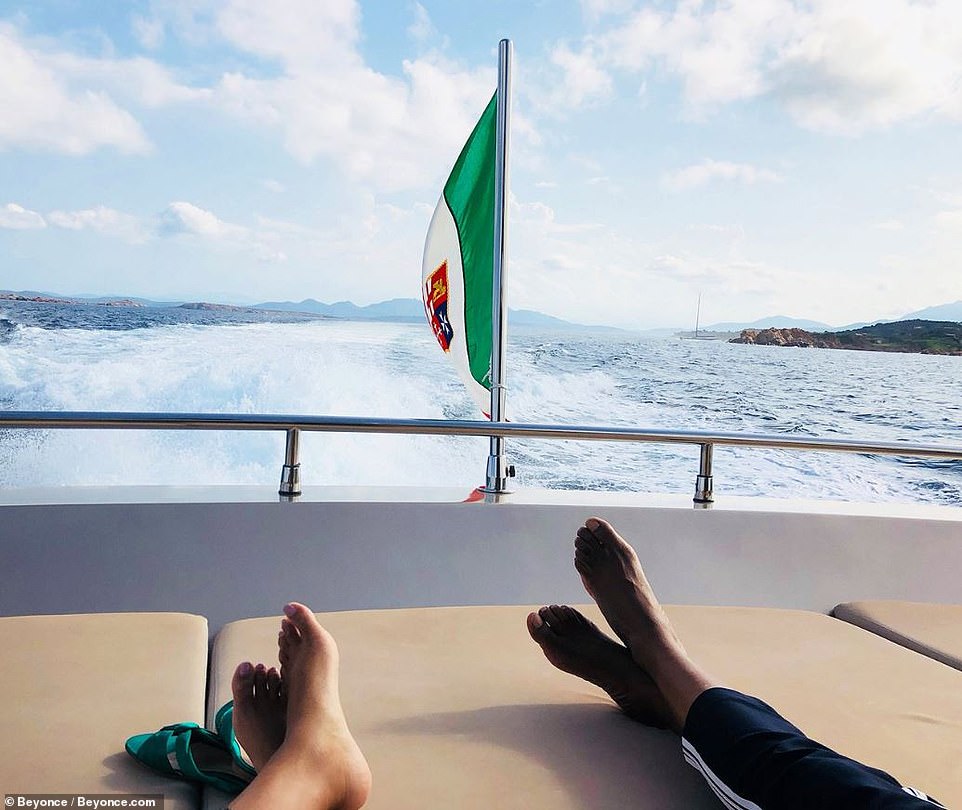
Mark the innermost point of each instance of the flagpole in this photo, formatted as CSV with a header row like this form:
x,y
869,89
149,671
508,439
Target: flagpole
x,y
498,470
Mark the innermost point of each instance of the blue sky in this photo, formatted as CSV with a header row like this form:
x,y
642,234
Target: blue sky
x,y
777,157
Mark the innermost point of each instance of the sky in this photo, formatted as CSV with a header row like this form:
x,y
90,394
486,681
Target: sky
x,y
798,158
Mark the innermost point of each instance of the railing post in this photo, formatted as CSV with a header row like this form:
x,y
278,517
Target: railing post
x,y
291,471
498,471
704,493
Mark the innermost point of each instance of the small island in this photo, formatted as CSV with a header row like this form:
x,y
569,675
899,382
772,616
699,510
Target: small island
x,y
209,307
916,336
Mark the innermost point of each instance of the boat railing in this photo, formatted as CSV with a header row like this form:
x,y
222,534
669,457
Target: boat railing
x,y
290,486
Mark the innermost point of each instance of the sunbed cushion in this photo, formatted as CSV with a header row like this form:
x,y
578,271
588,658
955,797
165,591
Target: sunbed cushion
x,y
456,707
931,629
75,687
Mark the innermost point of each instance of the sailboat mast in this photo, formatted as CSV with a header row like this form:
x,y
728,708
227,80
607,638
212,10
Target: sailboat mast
x,y
697,314
497,473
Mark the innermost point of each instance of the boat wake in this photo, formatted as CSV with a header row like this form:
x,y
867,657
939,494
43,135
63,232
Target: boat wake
x,y
394,370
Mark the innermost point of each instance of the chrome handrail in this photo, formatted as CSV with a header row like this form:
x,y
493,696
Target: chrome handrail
x,y
293,424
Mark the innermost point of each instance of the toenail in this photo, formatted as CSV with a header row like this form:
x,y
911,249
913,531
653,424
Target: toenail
x,y
592,523
245,668
289,610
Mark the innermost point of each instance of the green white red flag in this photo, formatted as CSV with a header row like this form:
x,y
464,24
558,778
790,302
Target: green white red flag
x,y
457,268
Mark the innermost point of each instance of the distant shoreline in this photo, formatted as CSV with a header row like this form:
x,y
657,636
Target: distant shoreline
x,y
398,310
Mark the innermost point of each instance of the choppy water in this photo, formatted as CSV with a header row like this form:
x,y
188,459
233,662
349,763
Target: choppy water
x,y
98,358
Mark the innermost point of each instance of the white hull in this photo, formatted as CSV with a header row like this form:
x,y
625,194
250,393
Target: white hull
x,y
234,552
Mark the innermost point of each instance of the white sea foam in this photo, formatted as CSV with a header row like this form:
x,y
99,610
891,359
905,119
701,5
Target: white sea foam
x,y
394,370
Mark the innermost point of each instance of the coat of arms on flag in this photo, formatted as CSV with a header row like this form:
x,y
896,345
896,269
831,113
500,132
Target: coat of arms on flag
x,y
436,305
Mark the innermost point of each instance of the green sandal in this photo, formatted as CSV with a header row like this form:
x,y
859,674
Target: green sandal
x,y
224,723
187,751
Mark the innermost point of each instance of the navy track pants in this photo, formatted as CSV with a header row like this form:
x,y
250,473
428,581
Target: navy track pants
x,y
754,759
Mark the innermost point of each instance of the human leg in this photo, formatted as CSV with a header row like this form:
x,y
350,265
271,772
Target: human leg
x,y
750,756
613,576
319,764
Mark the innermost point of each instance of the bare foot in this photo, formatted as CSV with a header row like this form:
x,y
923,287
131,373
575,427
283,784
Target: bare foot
x,y
575,644
260,711
613,576
316,727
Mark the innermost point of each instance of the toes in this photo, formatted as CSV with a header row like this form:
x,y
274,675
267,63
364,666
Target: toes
x,y
302,618
601,529
289,631
552,615
260,681
287,639
587,545
577,617
538,629
563,619
273,682
242,684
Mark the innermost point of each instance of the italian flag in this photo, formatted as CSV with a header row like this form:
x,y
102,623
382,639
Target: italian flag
x,y
458,265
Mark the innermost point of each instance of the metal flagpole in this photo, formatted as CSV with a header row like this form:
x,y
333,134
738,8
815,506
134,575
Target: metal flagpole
x,y
498,470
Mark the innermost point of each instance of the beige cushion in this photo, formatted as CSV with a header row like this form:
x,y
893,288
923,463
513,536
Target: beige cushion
x,y
931,629
456,707
865,697
75,687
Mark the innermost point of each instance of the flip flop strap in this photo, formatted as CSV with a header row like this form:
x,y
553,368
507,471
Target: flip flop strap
x,y
224,723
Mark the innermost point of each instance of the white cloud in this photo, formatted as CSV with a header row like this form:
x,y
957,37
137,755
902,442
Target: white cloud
x,y
723,275
890,225
700,174
16,217
326,102
275,186
137,81
301,34
317,91
836,67
593,9
101,219
41,111
950,220
381,130
148,30
422,29
714,50
582,79
184,219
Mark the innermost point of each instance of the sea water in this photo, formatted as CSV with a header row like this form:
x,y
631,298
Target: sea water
x,y
56,357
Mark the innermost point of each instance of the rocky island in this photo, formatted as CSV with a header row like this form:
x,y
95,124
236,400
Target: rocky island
x,y
922,337
208,307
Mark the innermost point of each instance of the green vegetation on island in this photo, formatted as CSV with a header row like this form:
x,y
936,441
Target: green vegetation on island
x,y
923,337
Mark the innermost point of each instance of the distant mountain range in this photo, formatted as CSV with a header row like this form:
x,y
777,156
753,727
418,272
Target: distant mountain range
x,y
775,321
410,310
942,312
398,310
